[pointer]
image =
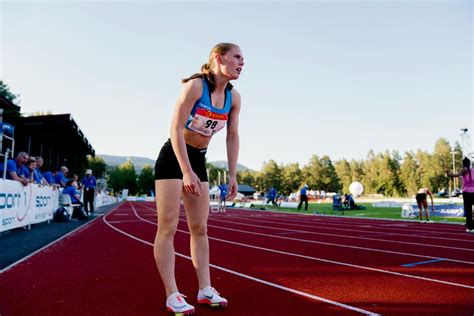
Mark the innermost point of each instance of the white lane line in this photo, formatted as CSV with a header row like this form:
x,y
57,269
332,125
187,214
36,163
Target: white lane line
x,y
336,220
337,227
51,243
319,242
284,288
324,260
345,236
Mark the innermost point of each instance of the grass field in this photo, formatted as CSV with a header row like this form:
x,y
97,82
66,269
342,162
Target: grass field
x,y
369,212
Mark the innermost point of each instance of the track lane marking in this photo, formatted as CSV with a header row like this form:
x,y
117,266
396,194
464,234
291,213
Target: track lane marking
x,y
325,260
271,284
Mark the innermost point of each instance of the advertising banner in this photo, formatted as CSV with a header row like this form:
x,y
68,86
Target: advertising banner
x,y
444,210
24,205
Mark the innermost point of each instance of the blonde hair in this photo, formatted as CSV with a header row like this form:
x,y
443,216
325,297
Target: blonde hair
x,y
206,69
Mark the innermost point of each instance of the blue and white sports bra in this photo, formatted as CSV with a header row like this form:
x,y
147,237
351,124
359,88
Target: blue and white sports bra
x,y
205,119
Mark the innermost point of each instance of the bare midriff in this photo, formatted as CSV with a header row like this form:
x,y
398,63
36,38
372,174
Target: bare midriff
x,y
196,140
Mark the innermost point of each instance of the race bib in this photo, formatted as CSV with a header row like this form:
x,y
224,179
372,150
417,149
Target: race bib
x,y
206,122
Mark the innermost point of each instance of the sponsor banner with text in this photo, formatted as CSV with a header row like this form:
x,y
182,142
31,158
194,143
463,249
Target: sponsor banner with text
x,y
24,205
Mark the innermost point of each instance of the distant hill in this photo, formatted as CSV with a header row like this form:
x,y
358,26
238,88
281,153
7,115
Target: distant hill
x,y
138,162
223,164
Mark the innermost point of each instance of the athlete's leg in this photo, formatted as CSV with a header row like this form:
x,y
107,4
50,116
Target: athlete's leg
x,y
427,211
197,213
168,193
420,209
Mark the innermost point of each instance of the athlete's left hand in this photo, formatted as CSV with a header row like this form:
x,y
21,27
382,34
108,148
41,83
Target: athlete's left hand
x,y
233,188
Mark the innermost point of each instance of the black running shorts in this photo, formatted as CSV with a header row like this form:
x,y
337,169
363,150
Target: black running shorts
x,y
167,166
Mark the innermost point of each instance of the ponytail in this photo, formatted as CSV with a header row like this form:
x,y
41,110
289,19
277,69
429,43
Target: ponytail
x,y
206,69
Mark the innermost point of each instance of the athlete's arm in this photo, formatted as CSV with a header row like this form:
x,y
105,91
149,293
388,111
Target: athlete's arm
x,y
232,141
431,197
190,93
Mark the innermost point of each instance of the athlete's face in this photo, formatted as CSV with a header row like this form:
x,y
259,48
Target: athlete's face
x,y
232,63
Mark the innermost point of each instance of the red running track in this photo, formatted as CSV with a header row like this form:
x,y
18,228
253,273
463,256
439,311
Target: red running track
x,y
265,263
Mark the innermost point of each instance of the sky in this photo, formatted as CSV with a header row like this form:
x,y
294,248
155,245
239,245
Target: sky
x,y
336,78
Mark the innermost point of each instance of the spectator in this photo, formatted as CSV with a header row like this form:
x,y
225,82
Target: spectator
x,y
71,190
60,177
303,197
49,177
89,184
31,165
16,169
39,174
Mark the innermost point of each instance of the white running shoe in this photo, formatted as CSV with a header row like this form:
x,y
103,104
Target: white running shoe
x,y
211,297
422,221
176,303
429,221
470,230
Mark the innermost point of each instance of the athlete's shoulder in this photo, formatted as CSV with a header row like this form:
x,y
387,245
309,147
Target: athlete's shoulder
x,y
236,99
193,87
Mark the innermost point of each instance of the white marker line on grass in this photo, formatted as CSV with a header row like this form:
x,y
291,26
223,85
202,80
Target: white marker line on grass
x,y
324,260
284,288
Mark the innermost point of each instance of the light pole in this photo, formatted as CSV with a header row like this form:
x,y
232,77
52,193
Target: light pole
x,y
454,167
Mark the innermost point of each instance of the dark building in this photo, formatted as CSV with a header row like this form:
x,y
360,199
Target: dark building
x,y
56,138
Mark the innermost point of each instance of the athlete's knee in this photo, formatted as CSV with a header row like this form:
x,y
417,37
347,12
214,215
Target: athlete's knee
x,y
167,231
198,229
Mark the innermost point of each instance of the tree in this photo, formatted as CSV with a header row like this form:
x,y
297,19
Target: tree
x,y
343,170
271,176
146,180
213,173
320,174
7,94
123,177
97,165
246,177
410,174
291,178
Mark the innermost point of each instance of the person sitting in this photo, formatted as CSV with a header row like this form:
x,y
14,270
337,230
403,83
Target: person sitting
x,y
31,165
49,177
16,169
75,196
39,174
60,178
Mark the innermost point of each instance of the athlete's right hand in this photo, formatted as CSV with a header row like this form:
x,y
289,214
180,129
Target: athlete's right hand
x,y
191,183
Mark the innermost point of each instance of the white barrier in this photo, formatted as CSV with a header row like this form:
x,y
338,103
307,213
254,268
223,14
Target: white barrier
x,y
102,199
22,206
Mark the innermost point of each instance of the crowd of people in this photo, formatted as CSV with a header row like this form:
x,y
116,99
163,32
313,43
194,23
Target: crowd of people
x,y
28,169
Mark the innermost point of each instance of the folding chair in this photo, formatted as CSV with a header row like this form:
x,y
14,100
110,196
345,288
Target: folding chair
x,y
66,202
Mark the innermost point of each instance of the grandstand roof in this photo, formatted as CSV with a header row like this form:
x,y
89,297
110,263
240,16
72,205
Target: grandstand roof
x,y
246,189
56,138
7,104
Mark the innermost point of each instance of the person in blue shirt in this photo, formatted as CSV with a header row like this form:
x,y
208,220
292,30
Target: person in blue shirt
x,y
71,190
303,198
49,177
39,174
271,196
89,184
222,197
60,177
16,169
